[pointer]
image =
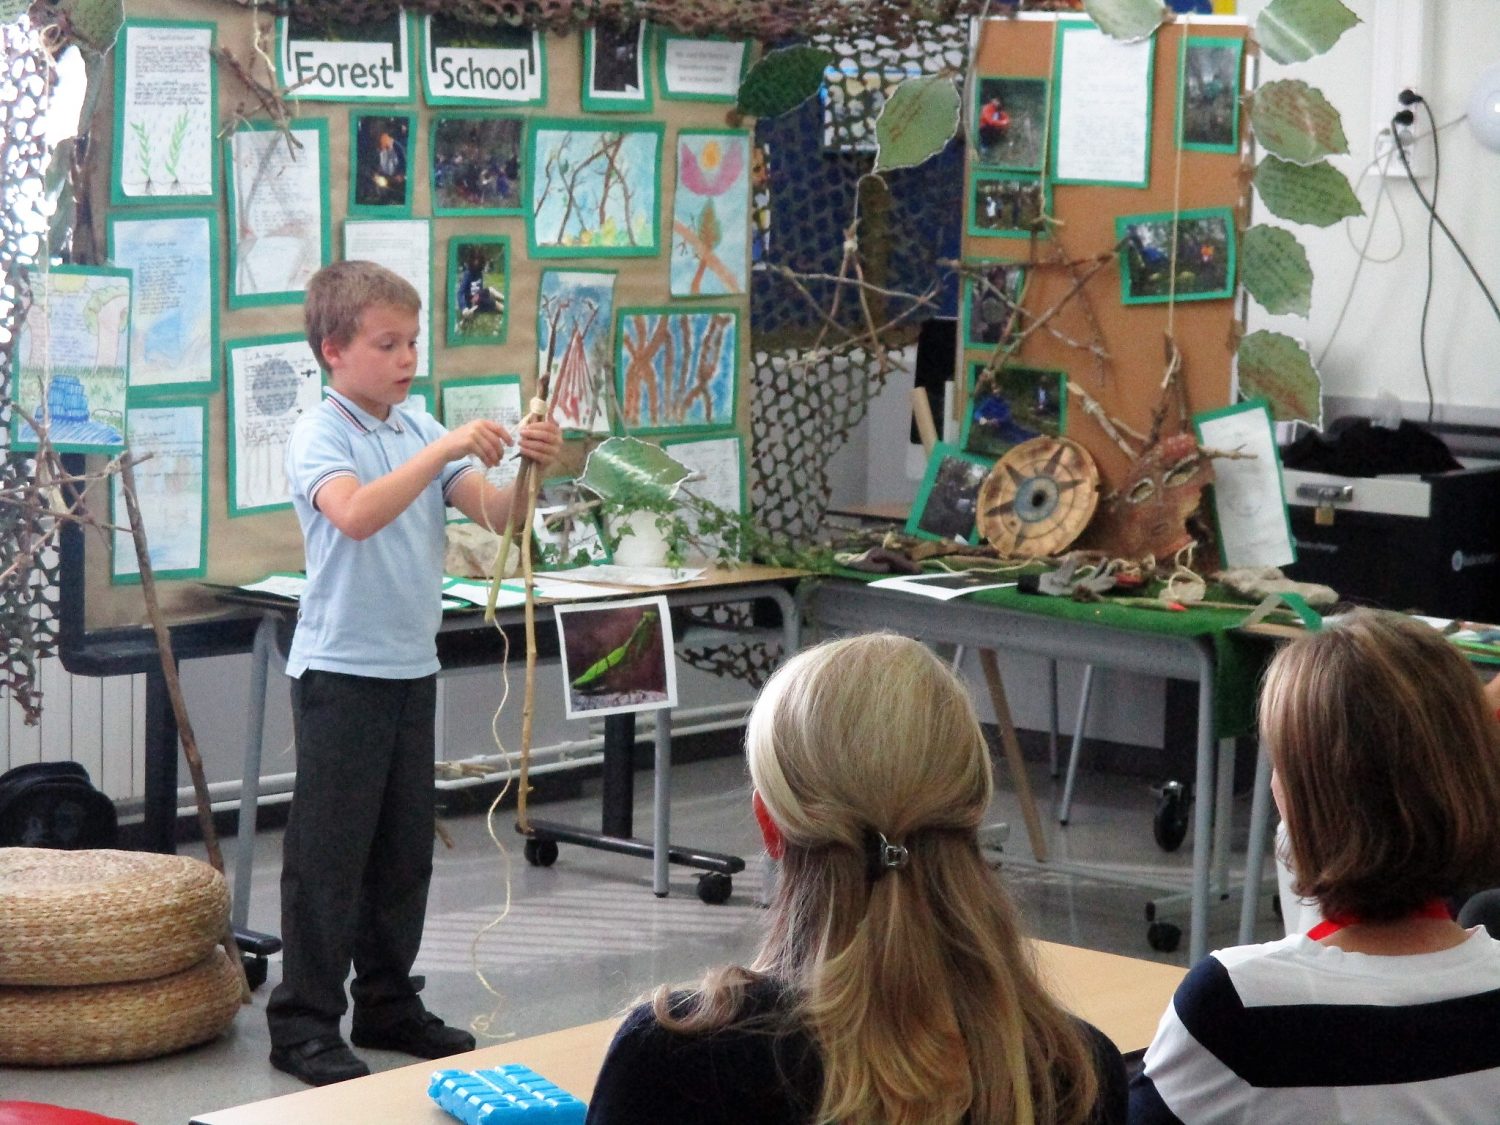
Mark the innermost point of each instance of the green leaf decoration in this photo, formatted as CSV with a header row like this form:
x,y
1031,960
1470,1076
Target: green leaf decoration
x,y
1297,30
1316,193
94,23
1127,20
1295,122
783,80
633,473
1275,270
918,120
1277,368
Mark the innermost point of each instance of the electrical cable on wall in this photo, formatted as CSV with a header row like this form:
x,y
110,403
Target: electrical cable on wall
x,y
1404,119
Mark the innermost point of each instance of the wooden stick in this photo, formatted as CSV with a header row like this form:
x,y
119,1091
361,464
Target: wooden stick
x,y
921,410
991,668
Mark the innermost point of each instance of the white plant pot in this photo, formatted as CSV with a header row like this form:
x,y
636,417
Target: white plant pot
x,y
640,542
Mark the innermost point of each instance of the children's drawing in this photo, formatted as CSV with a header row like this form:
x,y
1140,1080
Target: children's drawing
x,y
711,213
678,369
574,317
594,192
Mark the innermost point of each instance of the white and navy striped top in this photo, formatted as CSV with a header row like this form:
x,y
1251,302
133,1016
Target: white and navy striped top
x,y
1295,1031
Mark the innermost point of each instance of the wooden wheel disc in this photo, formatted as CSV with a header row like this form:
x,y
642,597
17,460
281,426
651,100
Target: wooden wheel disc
x,y
1038,498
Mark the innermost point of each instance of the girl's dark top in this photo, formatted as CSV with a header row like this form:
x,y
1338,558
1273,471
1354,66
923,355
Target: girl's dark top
x,y
751,1073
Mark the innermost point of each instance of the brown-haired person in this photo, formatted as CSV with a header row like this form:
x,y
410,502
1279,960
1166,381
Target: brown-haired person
x,y
1387,775
893,984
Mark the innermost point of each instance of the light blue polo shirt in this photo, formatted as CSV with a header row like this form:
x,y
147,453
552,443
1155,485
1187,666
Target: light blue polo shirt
x,y
371,607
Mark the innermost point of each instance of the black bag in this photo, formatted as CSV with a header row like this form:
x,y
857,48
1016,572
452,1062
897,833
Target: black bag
x,y
54,805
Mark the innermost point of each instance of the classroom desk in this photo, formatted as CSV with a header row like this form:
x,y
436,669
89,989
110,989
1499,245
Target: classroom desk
x,y
1046,627
1122,996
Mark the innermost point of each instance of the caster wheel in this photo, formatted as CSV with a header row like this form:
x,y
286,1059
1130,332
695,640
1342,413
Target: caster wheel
x,y
541,853
1163,937
1170,823
255,970
715,887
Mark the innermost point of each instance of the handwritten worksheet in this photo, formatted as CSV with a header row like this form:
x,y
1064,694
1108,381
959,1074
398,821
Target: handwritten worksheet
x,y
1103,126
277,221
272,382
1249,501
171,489
403,246
173,258
165,113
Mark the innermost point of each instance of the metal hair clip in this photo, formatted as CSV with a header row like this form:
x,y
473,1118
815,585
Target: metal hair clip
x,y
881,855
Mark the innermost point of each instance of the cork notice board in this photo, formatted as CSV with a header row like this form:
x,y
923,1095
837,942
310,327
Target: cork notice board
x,y
1126,379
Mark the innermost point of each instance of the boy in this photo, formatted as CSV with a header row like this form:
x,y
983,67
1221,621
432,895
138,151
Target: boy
x,y
369,481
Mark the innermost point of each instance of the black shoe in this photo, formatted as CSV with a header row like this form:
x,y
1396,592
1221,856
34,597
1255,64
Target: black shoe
x,y
424,1036
320,1061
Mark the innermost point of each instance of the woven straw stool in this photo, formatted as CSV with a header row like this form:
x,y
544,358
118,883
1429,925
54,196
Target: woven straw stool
x,y
108,955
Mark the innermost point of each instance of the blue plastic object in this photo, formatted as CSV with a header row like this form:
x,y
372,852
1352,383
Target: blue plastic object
x,y
504,1094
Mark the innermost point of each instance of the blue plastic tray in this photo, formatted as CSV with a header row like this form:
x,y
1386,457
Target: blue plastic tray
x,y
503,1094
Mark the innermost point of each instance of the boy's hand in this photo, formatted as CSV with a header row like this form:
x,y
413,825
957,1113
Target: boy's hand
x,y
541,441
481,438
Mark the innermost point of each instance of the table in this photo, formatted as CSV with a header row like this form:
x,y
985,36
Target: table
x,y
1145,641
1122,996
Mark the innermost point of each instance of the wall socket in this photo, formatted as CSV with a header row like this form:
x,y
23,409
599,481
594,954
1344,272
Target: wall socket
x,y
1418,145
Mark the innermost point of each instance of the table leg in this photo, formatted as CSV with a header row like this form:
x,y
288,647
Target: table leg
x,y
1255,850
661,813
255,726
1203,811
996,686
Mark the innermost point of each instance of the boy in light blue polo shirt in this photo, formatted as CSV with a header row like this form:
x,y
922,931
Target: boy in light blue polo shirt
x,y
370,482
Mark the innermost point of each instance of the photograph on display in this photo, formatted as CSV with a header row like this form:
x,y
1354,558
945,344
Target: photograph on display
x,y
496,397
616,657
477,164
1013,405
1199,268
1008,204
1009,123
470,63
72,360
380,162
616,68
478,289
1208,107
677,370
278,220
171,491
594,192
575,346
711,213
273,381
992,304
567,526
322,57
165,113
947,503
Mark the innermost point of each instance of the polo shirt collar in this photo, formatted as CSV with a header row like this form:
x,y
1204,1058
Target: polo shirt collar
x,y
360,418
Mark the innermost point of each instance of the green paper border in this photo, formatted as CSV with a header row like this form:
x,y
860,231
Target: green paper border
x,y
665,36
678,428
1264,406
230,346
1046,124
453,338
538,37
428,311
972,383
748,137
572,433
924,491
318,125
427,392
1232,243
966,291
579,125
625,103
374,210
521,208
985,175
1063,28
379,96
201,405
117,197
453,514
592,515
19,445
212,383
1189,41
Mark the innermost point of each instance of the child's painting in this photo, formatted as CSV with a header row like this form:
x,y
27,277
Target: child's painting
x,y
478,289
378,179
1009,125
1013,405
1208,109
992,304
678,370
575,346
476,164
1200,268
616,657
947,503
711,213
594,192
1010,205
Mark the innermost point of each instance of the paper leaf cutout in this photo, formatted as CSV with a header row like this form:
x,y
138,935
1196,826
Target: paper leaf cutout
x,y
917,122
94,23
1296,30
783,80
632,473
1295,122
1127,20
1277,368
1275,270
1316,193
